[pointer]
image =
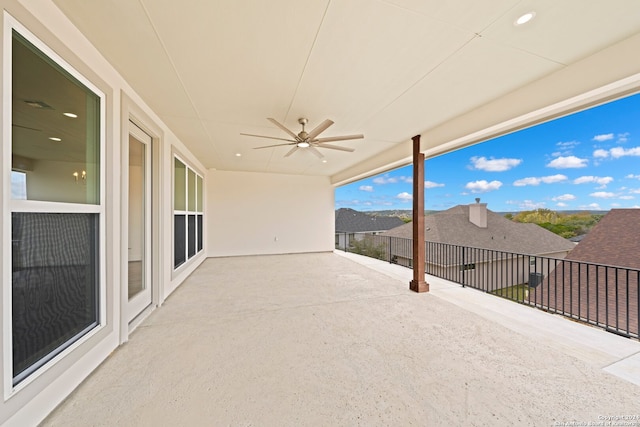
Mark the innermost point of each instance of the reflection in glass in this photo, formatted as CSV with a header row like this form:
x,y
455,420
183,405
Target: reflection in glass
x,y
199,194
59,154
179,191
192,190
137,159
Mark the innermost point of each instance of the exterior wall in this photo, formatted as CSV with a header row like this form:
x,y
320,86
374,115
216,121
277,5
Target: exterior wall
x,y
31,400
261,213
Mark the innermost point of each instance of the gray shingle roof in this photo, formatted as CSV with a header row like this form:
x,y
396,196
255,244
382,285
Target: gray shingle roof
x,y
351,221
453,227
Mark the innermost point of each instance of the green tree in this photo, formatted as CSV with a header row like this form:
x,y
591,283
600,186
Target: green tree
x,y
368,247
565,225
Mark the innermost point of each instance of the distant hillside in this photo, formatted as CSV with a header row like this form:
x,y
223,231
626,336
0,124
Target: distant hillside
x,y
401,213
408,213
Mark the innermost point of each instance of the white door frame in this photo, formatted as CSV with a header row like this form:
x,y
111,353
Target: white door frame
x,y
143,299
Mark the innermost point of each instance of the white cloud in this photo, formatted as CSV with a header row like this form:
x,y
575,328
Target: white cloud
x,y
567,145
602,194
603,137
564,197
567,162
561,205
540,180
431,184
386,179
601,180
623,137
483,186
405,197
550,179
627,197
617,152
494,165
530,205
600,154
366,188
636,191
632,176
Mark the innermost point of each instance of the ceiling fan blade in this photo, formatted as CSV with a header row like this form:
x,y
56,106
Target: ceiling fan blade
x,y
276,145
335,147
293,150
281,126
268,137
315,152
337,138
319,129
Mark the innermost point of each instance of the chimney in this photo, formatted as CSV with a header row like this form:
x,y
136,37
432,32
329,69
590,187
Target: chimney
x,y
478,214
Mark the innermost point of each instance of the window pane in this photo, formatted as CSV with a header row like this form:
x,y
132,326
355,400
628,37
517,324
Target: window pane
x,y
179,195
18,185
200,218
60,154
54,284
199,194
192,235
179,240
192,191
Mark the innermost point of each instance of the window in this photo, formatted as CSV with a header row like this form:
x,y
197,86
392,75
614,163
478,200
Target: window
x,y
466,267
56,206
188,217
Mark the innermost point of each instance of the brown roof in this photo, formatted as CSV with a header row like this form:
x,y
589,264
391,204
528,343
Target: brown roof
x,y
583,285
453,227
615,240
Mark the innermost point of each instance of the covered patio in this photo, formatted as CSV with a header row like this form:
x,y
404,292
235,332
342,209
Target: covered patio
x,y
339,339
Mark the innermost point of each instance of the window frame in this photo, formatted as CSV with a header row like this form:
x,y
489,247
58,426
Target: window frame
x,y
198,212
36,206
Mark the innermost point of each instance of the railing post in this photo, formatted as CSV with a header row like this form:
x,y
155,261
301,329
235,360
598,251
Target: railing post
x,y
464,272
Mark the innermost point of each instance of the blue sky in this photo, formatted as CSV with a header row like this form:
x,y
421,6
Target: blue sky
x,y
586,161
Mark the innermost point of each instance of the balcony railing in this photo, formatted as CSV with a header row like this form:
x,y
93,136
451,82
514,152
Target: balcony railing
x,y
602,295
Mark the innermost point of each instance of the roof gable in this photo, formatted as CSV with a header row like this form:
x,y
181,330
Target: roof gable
x,y
453,227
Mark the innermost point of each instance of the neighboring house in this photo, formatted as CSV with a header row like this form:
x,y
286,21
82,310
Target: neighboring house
x,y
479,239
599,279
353,225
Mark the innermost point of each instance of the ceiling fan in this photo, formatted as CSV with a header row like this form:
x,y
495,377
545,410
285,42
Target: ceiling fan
x,y
306,140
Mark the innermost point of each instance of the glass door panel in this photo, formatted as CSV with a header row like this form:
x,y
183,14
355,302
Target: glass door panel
x,y
139,236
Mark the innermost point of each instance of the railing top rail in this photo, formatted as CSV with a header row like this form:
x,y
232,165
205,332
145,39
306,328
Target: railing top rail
x,y
498,251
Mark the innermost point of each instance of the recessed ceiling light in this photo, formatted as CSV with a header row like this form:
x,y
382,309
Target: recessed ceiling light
x,y
53,138
524,18
72,115
324,160
238,154
38,104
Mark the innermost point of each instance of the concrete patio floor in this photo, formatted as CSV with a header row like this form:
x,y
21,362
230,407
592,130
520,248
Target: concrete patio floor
x,y
338,340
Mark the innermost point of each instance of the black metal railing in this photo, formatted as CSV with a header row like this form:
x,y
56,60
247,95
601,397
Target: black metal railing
x,y
602,295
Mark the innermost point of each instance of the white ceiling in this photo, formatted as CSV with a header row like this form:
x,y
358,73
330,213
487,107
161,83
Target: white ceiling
x,y
388,69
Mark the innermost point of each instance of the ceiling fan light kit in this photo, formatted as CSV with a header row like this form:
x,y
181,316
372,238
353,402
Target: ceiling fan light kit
x,y
306,140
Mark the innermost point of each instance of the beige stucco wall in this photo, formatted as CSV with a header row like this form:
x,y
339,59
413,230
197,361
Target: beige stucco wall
x,y
261,213
28,403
